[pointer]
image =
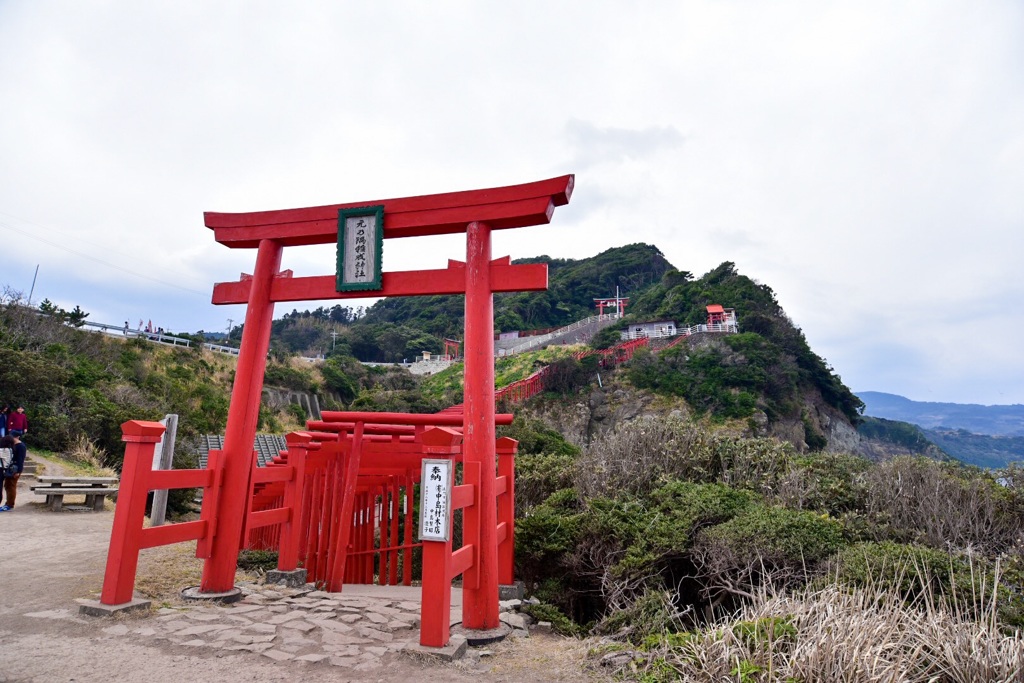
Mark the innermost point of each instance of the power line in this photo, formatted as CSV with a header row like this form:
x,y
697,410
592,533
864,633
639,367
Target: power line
x,y
93,258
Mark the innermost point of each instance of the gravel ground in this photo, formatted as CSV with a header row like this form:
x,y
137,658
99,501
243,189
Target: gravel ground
x,y
48,560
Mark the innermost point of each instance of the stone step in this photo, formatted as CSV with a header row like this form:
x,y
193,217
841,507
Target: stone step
x,y
31,468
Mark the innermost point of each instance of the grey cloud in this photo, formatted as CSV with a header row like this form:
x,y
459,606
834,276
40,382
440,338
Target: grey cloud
x,y
593,145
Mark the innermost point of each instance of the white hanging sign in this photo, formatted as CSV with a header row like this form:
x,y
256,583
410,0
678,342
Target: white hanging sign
x,y
436,500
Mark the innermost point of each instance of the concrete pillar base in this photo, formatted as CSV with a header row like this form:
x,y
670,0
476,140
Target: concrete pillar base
x,y
295,578
95,608
454,650
512,591
195,594
478,637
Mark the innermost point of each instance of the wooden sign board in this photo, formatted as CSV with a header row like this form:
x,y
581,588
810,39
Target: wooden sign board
x,y
360,243
436,500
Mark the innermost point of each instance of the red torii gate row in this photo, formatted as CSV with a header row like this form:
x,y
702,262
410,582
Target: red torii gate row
x,y
387,463
352,532
475,212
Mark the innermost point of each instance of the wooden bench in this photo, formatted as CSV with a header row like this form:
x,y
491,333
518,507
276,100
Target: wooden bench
x,y
95,490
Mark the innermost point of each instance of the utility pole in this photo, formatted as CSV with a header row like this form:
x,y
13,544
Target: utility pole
x,y
33,285
230,322
334,336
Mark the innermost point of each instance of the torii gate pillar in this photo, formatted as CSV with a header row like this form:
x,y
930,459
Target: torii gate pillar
x,y
479,609
243,418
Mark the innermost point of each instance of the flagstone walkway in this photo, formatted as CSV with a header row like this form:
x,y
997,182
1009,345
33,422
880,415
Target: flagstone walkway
x,y
361,628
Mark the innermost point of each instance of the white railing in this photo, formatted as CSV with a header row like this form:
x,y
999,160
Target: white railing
x,y
158,337
230,350
541,339
114,330
729,328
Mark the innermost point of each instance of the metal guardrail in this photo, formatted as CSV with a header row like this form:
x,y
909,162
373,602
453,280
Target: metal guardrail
x,y
157,337
539,340
230,350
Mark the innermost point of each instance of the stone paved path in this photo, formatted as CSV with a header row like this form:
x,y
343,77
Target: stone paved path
x,y
361,628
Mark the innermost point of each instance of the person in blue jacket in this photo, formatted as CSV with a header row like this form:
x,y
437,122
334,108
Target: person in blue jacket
x,y
20,451
3,420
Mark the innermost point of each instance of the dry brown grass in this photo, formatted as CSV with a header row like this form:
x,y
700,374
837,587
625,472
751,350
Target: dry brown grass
x,y
165,570
643,454
87,455
843,636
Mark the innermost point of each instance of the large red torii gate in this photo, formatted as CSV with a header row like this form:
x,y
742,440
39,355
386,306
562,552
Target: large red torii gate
x,y
475,212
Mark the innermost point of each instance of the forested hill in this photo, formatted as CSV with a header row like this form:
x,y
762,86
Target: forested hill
x,y
573,284
400,328
769,364
767,374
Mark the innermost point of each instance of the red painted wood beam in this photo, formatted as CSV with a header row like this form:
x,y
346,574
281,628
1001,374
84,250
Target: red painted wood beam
x,y
525,277
513,206
429,419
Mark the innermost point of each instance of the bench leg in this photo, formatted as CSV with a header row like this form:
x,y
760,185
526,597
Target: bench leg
x,y
96,501
56,502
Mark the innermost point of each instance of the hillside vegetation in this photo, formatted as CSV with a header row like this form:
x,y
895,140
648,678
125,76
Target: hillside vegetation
x,y
978,449
399,329
79,386
698,508
767,375
769,366
678,541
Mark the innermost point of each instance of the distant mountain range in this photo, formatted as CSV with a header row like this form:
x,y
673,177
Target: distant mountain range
x,y
1006,420
986,436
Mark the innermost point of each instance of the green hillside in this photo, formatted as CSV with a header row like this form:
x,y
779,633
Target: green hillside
x,y
659,502
400,328
981,450
766,373
769,366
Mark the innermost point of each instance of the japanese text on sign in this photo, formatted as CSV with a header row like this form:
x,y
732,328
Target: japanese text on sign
x,y
436,500
360,238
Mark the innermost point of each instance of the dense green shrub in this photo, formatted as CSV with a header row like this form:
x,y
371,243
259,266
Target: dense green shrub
x,y
545,461
568,375
535,437
608,552
559,622
338,380
540,475
725,385
764,543
829,482
281,375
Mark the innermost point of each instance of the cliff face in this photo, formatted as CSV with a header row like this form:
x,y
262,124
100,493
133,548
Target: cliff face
x,y
818,418
601,409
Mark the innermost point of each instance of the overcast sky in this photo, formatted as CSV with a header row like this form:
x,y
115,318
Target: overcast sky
x,y
864,159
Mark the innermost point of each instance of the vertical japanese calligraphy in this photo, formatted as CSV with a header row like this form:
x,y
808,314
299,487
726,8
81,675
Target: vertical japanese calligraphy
x,y
436,500
360,241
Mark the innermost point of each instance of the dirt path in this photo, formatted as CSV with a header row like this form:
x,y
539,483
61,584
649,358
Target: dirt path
x,y
47,560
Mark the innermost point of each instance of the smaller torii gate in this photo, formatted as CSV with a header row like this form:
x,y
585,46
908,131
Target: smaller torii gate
x,y
451,349
360,229
617,302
